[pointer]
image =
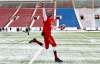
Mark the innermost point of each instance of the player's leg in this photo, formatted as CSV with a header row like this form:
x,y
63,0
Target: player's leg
x,y
28,33
46,41
36,41
57,59
52,42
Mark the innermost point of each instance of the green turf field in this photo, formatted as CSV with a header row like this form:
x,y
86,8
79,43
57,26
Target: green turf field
x,y
73,48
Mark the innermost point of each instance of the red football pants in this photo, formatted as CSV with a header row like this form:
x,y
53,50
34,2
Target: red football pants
x,y
48,39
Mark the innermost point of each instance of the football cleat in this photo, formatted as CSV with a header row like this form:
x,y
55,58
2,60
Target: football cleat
x,y
58,60
36,41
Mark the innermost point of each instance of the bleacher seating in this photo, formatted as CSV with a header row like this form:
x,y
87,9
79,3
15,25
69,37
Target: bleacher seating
x,y
97,20
38,22
39,12
25,11
5,14
68,17
4,20
97,23
22,21
88,20
23,18
7,11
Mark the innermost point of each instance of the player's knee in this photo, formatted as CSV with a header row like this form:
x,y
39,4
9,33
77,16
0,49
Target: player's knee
x,y
46,47
54,45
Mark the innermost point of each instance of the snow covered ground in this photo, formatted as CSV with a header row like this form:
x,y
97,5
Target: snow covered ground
x,y
73,48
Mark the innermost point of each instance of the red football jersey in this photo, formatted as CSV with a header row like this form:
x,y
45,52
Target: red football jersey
x,y
47,25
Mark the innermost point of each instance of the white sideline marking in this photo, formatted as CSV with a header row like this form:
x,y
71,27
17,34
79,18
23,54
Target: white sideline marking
x,y
35,56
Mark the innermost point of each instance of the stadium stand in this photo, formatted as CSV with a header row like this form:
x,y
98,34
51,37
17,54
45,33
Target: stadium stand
x,y
22,21
4,20
88,20
68,17
23,18
65,9
7,11
25,11
39,12
97,19
38,22
5,14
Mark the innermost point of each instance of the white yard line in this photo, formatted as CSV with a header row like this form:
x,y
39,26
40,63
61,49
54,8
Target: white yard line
x,y
84,36
35,56
91,39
